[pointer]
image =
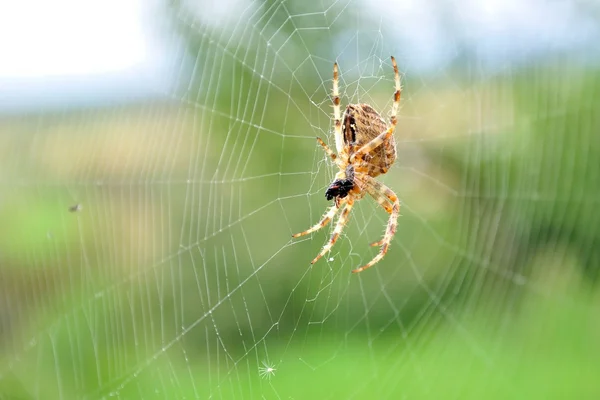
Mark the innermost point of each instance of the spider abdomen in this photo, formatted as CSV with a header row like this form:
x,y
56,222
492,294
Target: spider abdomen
x,y
361,124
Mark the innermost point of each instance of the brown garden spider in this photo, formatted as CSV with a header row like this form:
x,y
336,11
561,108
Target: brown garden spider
x,y
365,149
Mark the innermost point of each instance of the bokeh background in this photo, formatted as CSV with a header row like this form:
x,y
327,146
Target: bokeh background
x,y
155,158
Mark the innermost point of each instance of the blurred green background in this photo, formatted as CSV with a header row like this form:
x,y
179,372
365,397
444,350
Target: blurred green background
x,y
178,277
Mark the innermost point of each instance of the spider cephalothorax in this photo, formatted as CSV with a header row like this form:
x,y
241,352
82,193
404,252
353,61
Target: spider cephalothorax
x,y
365,149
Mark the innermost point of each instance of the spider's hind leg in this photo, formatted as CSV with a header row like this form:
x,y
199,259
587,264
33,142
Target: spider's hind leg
x,y
327,150
385,135
337,113
397,93
373,144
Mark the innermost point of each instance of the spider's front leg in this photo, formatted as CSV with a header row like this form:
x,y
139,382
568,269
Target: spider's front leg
x,y
342,221
383,201
321,224
390,231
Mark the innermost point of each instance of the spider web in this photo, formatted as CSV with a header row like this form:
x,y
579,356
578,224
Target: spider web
x,y
175,275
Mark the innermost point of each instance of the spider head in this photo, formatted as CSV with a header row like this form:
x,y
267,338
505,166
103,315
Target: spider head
x,y
339,188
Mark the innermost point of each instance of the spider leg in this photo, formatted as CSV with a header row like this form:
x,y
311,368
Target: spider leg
x,y
328,151
396,93
342,221
391,226
382,137
323,222
373,144
383,202
337,115
380,198
376,244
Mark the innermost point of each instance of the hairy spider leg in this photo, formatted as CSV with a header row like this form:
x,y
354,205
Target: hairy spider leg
x,y
397,93
337,115
379,197
377,141
382,200
342,221
373,144
391,226
322,223
328,151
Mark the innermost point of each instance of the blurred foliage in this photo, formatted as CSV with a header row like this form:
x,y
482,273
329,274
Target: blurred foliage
x,y
178,276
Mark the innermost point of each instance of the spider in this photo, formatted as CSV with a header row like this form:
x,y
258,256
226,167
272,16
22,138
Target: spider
x,y
366,148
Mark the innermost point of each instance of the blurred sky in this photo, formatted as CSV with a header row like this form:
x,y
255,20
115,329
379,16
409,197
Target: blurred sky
x,y
494,32
76,51
79,51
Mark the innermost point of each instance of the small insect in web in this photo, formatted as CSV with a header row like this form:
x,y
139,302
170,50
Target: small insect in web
x,y
75,208
366,148
266,371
